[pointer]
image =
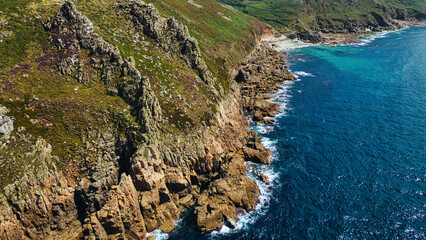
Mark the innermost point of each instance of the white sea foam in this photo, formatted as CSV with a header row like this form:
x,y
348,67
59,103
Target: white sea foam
x,y
246,219
158,235
370,38
303,74
263,129
282,97
271,145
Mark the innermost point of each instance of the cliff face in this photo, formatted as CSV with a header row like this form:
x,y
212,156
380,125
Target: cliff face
x,y
105,147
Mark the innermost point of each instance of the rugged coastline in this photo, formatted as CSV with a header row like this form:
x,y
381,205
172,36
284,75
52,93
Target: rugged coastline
x,y
138,176
149,161
344,35
316,67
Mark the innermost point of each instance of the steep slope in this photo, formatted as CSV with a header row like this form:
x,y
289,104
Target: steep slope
x,y
114,117
344,16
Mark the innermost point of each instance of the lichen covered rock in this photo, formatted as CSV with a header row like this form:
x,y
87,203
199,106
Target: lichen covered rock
x,y
6,123
170,34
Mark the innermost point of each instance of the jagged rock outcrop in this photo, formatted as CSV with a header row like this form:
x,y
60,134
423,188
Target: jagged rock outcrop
x,y
6,123
124,195
72,31
120,216
263,74
41,204
341,31
256,152
219,203
172,36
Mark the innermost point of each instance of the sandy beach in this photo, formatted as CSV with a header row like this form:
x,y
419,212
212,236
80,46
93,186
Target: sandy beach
x,y
283,43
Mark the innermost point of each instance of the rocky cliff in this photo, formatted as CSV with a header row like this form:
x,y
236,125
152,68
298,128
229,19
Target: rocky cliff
x,y
103,151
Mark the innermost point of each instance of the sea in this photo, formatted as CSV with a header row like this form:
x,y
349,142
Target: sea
x,y
349,149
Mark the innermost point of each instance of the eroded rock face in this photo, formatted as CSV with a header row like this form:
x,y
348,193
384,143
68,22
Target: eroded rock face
x,y
41,204
120,216
220,201
263,74
6,123
71,31
124,196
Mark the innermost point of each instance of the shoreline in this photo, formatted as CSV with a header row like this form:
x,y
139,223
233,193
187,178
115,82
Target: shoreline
x,y
263,78
262,93
283,43
273,89
260,79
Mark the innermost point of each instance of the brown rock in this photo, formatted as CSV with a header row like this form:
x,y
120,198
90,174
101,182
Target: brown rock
x,y
258,117
120,216
154,213
175,181
257,156
10,227
146,178
219,202
264,178
168,226
268,108
93,228
269,121
261,76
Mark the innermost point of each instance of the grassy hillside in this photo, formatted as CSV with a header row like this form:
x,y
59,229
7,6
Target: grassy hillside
x,y
282,14
337,13
288,15
68,114
224,33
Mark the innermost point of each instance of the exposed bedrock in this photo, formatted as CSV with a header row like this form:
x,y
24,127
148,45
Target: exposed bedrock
x,y
134,186
348,30
72,32
172,36
41,204
6,123
262,75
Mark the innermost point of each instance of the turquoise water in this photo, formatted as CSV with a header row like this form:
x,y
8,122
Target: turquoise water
x,y
349,152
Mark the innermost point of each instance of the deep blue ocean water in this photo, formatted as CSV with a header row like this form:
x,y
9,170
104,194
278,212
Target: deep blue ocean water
x,y
350,149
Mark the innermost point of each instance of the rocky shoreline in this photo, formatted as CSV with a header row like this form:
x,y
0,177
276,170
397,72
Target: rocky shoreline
x,y
141,181
258,78
345,35
263,74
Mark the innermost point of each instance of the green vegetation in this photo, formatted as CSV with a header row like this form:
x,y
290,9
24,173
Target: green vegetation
x,y
20,29
42,102
281,14
69,115
185,100
336,13
290,15
221,31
